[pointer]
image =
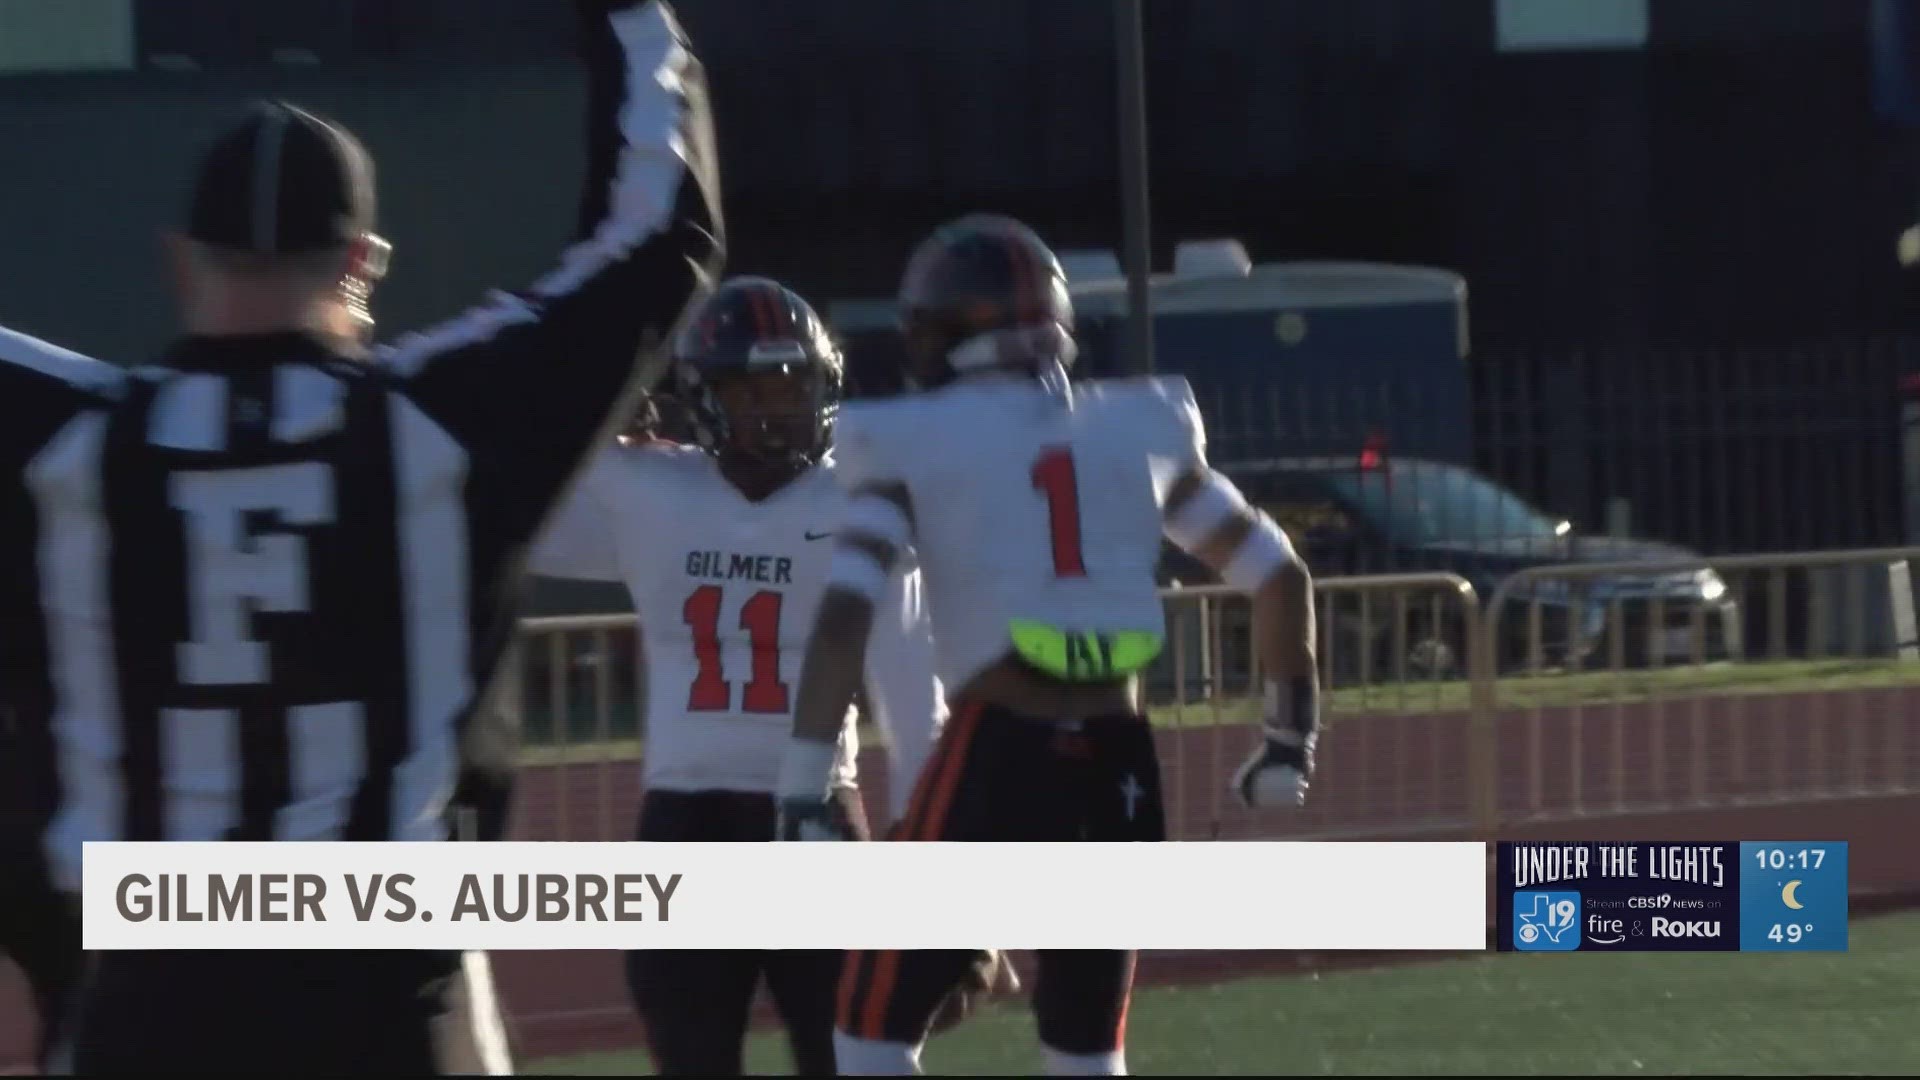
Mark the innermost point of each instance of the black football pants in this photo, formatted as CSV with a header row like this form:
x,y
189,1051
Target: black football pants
x,y
1000,776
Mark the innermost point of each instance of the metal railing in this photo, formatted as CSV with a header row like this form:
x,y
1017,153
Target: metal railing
x,y
576,682
1789,682
1391,756
1805,703
606,758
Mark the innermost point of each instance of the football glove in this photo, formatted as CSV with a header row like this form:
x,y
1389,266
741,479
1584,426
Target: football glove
x,y
990,973
807,805
808,818
1281,768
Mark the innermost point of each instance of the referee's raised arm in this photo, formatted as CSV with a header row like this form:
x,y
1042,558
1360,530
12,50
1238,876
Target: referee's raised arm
x,y
533,379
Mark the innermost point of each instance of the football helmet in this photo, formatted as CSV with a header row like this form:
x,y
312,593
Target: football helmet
x,y
758,377
984,292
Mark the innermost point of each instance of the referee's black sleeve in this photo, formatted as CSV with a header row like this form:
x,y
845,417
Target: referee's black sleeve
x,y
531,381
42,388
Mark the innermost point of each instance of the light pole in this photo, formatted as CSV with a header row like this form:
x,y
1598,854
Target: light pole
x,y
1129,39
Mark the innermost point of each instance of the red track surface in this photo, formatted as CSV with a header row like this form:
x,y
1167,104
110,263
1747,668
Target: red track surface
x,y
1814,765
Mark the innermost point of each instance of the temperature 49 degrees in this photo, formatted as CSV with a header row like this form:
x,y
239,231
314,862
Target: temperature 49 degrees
x,y
1793,897
1792,933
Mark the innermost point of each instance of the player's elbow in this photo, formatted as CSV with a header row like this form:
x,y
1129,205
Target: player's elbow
x,y
1289,588
1290,581
1287,597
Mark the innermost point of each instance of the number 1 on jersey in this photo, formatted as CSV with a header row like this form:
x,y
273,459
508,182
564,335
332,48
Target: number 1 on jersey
x,y
1054,475
760,618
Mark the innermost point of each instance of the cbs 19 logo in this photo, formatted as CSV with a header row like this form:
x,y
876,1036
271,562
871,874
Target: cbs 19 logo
x,y
1546,921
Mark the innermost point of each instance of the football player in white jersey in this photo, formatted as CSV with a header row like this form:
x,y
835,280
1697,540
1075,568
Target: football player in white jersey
x,y
1036,511
724,547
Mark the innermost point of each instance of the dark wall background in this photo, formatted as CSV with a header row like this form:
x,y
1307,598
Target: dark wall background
x,y
477,176
1730,192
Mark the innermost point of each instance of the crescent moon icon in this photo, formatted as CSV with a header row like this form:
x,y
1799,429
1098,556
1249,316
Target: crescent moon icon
x,y
1787,897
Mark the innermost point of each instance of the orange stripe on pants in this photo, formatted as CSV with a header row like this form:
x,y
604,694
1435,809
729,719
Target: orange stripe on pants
x,y
932,802
886,971
843,1014
933,820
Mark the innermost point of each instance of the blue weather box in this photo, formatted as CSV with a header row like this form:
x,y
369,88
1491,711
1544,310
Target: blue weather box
x,y
1793,896
1546,921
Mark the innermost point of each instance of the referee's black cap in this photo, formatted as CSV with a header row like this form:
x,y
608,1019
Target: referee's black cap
x,y
283,182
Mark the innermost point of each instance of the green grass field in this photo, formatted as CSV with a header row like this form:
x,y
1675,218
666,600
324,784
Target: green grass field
x,y
1579,1014
1351,704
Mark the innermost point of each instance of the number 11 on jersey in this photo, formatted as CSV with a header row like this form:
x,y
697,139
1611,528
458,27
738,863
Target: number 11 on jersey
x,y
1054,475
760,618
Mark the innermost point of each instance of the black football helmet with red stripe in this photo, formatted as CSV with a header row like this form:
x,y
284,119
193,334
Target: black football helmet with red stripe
x,y
758,377
984,292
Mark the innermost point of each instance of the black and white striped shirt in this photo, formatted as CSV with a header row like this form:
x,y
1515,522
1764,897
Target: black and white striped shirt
x,y
255,591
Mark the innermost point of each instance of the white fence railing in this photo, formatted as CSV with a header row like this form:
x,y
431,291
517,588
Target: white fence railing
x,y
1581,689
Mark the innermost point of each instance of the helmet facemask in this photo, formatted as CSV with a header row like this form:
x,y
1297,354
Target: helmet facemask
x,y
759,379
775,418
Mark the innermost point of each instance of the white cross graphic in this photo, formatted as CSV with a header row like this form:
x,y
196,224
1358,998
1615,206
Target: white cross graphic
x,y
1131,791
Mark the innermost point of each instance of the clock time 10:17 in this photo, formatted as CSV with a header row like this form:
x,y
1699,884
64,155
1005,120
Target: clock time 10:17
x,y
1803,859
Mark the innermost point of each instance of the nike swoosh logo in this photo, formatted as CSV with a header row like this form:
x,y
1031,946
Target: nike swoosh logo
x,y
818,536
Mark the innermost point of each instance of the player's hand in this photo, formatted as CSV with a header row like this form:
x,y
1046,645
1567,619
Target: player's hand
x,y
1279,771
990,973
807,803
1277,774
808,818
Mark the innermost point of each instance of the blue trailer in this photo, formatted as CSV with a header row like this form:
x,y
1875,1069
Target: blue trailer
x,y
1285,358
1305,357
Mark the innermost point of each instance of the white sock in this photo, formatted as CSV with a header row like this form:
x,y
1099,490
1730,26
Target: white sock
x,y
854,1056
1061,1063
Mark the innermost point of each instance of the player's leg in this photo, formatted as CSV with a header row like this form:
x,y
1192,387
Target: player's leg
x,y
253,1012
1112,777
130,1018
695,1004
1080,1000
1120,793
469,1034
39,929
975,787
885,1006
410,1012
803,982
482,802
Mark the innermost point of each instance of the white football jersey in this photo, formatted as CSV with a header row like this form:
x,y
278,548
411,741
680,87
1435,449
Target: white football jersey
x,y
727,590
1029,506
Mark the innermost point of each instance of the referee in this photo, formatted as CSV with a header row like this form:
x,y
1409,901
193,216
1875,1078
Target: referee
x,y
39,930
275,571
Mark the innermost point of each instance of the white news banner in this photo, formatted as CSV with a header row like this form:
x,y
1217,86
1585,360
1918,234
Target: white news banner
x,y
1238,895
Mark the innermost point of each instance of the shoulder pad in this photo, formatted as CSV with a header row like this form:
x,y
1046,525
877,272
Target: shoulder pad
x,y
1163,409
865,446
1177,393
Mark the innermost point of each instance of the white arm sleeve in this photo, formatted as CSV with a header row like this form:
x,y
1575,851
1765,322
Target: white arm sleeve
x,y
577,541
902,689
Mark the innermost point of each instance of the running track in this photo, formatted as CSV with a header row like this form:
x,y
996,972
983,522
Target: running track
x,y
1784,767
